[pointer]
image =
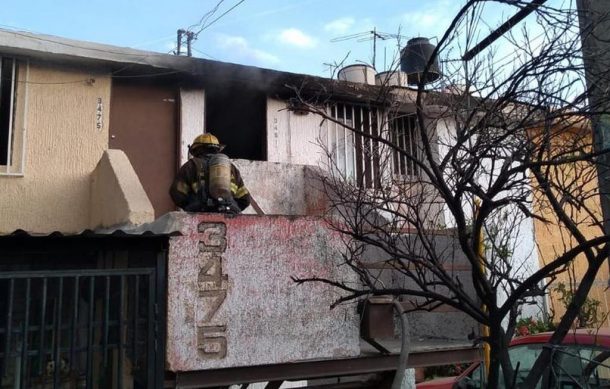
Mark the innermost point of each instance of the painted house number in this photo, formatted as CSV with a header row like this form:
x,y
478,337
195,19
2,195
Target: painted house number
x,y
212,290
99,114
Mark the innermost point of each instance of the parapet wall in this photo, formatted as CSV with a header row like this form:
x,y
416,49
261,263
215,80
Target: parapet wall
x,y
231,299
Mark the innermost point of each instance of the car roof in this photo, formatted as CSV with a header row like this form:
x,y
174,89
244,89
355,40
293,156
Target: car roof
x,y
588,336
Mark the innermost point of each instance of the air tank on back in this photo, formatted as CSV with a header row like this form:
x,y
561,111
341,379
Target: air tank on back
x,y
219,184
414,58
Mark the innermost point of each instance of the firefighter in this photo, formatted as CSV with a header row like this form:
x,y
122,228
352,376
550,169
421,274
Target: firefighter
x,y
191,189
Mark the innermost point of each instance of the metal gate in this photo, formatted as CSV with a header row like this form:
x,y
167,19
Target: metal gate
x,y
86,328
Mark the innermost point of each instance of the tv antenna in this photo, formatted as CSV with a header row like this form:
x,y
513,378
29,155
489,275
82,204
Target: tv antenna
x,y
368,36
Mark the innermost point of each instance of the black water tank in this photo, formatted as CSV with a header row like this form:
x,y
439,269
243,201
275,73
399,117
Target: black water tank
x,y
413,60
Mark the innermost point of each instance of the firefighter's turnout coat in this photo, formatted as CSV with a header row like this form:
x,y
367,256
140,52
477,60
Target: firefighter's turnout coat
x,y
189,189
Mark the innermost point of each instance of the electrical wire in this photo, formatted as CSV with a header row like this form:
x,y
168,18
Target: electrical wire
x,y
218,18
206,16
204,53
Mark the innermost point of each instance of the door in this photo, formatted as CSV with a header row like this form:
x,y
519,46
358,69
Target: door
x,y
143,123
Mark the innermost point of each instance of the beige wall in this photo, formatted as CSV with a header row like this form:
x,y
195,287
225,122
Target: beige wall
x,y
117,196
63,147
553,240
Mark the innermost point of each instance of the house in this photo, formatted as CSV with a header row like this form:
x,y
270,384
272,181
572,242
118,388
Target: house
x,y
552,237
104,285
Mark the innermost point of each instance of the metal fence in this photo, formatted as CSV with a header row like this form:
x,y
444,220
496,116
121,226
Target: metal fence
x,y
85,328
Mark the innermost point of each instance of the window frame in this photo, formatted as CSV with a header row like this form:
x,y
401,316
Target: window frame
x,y
16,135
348,150
402,167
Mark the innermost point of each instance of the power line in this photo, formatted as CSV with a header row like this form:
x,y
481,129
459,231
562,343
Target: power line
x,y
218,18
206,16
206,54
190,36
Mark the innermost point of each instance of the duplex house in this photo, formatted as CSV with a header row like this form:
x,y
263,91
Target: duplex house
x,y
103,284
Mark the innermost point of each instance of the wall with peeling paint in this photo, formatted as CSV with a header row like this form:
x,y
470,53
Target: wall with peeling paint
x,y
231,300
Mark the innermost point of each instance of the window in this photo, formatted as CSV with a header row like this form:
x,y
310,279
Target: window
x,y
355,156
574,366
404,136
11,140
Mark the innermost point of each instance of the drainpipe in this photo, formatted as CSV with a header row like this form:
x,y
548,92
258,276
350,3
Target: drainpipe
x,y
405,345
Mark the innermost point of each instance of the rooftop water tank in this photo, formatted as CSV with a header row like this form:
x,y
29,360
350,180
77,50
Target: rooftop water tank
x,y
413,60
391,78
361,73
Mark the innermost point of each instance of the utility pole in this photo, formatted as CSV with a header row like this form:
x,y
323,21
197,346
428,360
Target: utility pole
x,y
190,35
594,20
179,41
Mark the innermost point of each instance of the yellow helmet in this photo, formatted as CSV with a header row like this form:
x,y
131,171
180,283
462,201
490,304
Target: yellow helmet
x,y
206,140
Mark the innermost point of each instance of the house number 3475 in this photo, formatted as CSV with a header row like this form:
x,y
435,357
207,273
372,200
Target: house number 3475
x,y
212,291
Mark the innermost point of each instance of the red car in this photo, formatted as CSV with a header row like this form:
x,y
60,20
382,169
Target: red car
x,y
582,361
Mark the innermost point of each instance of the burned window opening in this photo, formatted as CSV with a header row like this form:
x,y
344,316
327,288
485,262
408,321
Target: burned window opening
x,y
237,116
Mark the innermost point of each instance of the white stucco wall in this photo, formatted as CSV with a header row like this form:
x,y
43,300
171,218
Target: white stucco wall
x,y
192,116
522,239
63,146
294,138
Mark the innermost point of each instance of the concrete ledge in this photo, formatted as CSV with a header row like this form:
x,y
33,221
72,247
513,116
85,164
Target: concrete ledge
x,y
283,188
117,196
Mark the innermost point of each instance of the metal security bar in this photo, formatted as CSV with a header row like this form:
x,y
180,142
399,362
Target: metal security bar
x,y
404,136
79,329
354,155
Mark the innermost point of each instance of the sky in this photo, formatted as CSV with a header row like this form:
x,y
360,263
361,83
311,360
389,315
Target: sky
x,y
302,36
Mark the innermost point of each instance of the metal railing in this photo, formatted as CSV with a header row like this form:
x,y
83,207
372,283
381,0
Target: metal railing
x,y
83,328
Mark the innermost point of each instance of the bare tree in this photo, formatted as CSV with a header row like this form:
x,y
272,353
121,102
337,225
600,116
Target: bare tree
x,y
509,130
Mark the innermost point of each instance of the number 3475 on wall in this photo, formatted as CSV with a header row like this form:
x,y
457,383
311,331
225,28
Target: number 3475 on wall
x,y
212,291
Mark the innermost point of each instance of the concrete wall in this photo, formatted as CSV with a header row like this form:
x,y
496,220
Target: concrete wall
x,y
282,188
445,322
63,146
231,300
117,196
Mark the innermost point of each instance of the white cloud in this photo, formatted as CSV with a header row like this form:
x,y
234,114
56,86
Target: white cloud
x,y
240,46
431,20
339,26
296,37
424,19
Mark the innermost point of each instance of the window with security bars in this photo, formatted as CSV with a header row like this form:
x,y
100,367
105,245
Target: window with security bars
x,y
403,133
355,156
82,313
